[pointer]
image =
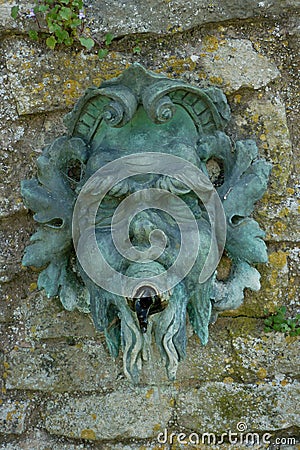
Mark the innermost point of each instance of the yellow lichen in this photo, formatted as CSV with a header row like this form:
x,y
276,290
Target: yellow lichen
x,y
26,65
261,373
156,427
32,287
88,434
202,75
72,90
284,212
179,66
228,380
172,402
149,393
290,191
210,44
278,259
279,227
216,80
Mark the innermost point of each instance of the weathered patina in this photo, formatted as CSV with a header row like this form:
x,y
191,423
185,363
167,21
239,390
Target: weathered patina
x,y
144,113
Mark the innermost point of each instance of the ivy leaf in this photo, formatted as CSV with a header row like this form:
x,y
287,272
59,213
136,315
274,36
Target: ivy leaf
x,y
102,53
75,23
65,13
282,310
68,41
284,327
137,49
33,35
53,27
78,3
14,12
87,42
53,14
61,35
108,38
51,42
268,322
42,8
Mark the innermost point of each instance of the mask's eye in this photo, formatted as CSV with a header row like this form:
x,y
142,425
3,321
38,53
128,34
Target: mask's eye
x,y
215,171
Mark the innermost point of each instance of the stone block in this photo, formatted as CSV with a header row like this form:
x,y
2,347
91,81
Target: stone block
x,y
258,356
218,407
207,362
279,285
267,118
13,235
233,64
47,319
136,16
201,362
84,367
279,215
59,81
13,416
122,414
39,440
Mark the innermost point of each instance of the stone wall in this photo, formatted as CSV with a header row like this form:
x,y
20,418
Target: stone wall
x,y
60,388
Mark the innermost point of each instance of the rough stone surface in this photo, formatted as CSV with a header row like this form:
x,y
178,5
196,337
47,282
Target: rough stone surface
x,y
234,64
231,64
138,413
162,16
268,116
13,416
39,440
260,356
243,373
83,367
48,80
260,407
21,142
47,319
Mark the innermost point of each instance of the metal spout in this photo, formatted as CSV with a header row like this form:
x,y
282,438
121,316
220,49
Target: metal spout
x,y
146,298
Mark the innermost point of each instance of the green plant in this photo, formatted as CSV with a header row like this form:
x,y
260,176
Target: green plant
x,y
61,22
279,322
108,40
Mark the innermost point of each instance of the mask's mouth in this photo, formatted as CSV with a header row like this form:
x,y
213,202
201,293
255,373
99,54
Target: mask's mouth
x,y
145,302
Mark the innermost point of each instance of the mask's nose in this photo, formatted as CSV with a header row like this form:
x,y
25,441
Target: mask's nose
x,y
141,228
145,298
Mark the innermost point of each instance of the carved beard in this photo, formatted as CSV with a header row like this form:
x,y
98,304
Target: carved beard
x,y
115,315
168,328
